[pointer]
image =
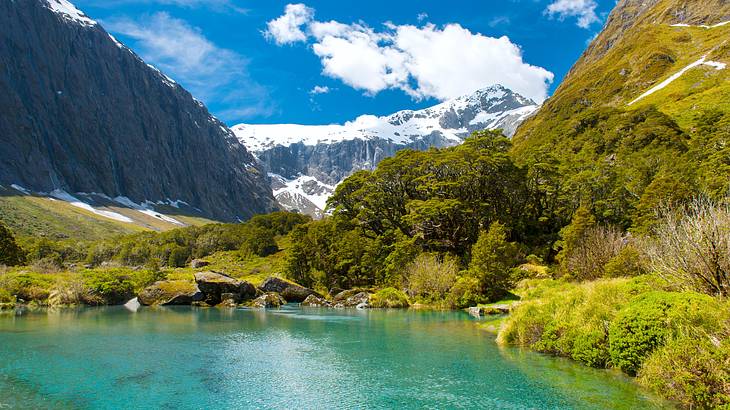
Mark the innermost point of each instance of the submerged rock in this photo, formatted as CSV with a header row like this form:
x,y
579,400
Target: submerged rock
x,y
288,290
172,292
316,301
268,300
215,284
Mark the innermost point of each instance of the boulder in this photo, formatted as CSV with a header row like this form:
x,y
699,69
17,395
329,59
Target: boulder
x,y
359,300
288,290
173,292
343,295
230,300
198,263
268,300
215,284
316,301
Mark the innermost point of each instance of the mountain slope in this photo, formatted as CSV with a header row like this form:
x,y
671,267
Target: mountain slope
x,y
644,115
84,114
305,162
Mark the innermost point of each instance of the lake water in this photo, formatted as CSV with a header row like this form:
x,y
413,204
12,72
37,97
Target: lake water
x,y
195,358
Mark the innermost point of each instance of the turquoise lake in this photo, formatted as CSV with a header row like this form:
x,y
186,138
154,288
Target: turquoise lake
x,y
196,358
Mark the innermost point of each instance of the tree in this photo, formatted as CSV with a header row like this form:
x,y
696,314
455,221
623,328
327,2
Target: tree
x,y
260,241
574,234
492,258
10,253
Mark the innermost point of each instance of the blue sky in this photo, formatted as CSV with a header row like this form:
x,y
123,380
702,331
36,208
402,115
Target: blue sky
x,y
329,61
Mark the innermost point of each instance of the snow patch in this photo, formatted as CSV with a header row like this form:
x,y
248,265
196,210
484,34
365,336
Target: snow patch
x,y
70,12
317,194
701,25
701,61
147,208
65,196
401,128
20,189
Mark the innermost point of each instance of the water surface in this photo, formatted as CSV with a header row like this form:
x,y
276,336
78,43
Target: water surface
x,y
195,358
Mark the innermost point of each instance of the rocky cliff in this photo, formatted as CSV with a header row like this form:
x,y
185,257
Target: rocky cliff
x,y
83,113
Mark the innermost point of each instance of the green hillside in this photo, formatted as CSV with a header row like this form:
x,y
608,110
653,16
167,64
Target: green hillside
x,y
625,158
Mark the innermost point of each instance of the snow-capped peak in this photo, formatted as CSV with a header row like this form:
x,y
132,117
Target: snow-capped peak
x,y
488,108
70,12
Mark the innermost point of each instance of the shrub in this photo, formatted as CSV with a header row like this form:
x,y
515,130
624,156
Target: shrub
x,y
691,248
466,292
492,259
178,257
260,241
10,253
651,320
389,298
587,259
6,297
628,262
430,276
107,287
691,371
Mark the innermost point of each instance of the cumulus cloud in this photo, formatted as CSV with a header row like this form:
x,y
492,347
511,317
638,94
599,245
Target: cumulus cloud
x,y
422,61
287,29
320,89
584,10
211,73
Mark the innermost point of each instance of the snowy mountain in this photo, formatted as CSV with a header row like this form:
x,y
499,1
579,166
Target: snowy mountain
x,y
306,162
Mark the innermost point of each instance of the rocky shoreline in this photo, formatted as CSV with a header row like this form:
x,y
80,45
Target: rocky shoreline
x,y
218,289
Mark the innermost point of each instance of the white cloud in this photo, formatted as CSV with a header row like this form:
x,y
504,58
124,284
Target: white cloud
x,y
426,61
422,16
210,73
584,10
320,89
287,29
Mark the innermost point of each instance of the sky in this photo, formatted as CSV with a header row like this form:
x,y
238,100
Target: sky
x,y
330,61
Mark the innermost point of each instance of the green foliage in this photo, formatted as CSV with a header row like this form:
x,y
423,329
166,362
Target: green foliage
x,y
260,241
492,258
466,292
648,323
107,287
430,276
178,256
389,298
572,236
10,253
6,297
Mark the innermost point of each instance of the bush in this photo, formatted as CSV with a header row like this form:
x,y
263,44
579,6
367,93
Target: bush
x,y
651,320
389,298
107,287
492,260
6,297
692,372
587,259
430,276
260,241
178,257
691,248
10,253
465,293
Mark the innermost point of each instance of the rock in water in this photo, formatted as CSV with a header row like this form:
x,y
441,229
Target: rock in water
x,y
288,290
360,300
215,284
172,292
268,300
315,301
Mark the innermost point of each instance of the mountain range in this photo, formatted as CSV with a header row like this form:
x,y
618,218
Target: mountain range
x,y
306,162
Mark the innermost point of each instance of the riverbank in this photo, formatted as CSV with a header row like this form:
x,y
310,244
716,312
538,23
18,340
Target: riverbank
x,y
675,343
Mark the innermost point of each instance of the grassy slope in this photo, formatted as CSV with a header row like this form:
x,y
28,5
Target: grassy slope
x,y
630,56
40,216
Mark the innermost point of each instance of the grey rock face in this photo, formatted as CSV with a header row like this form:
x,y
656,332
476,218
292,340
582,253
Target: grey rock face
x,y
84,114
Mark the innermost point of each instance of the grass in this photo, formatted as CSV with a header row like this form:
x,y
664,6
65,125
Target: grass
x,y
29,215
